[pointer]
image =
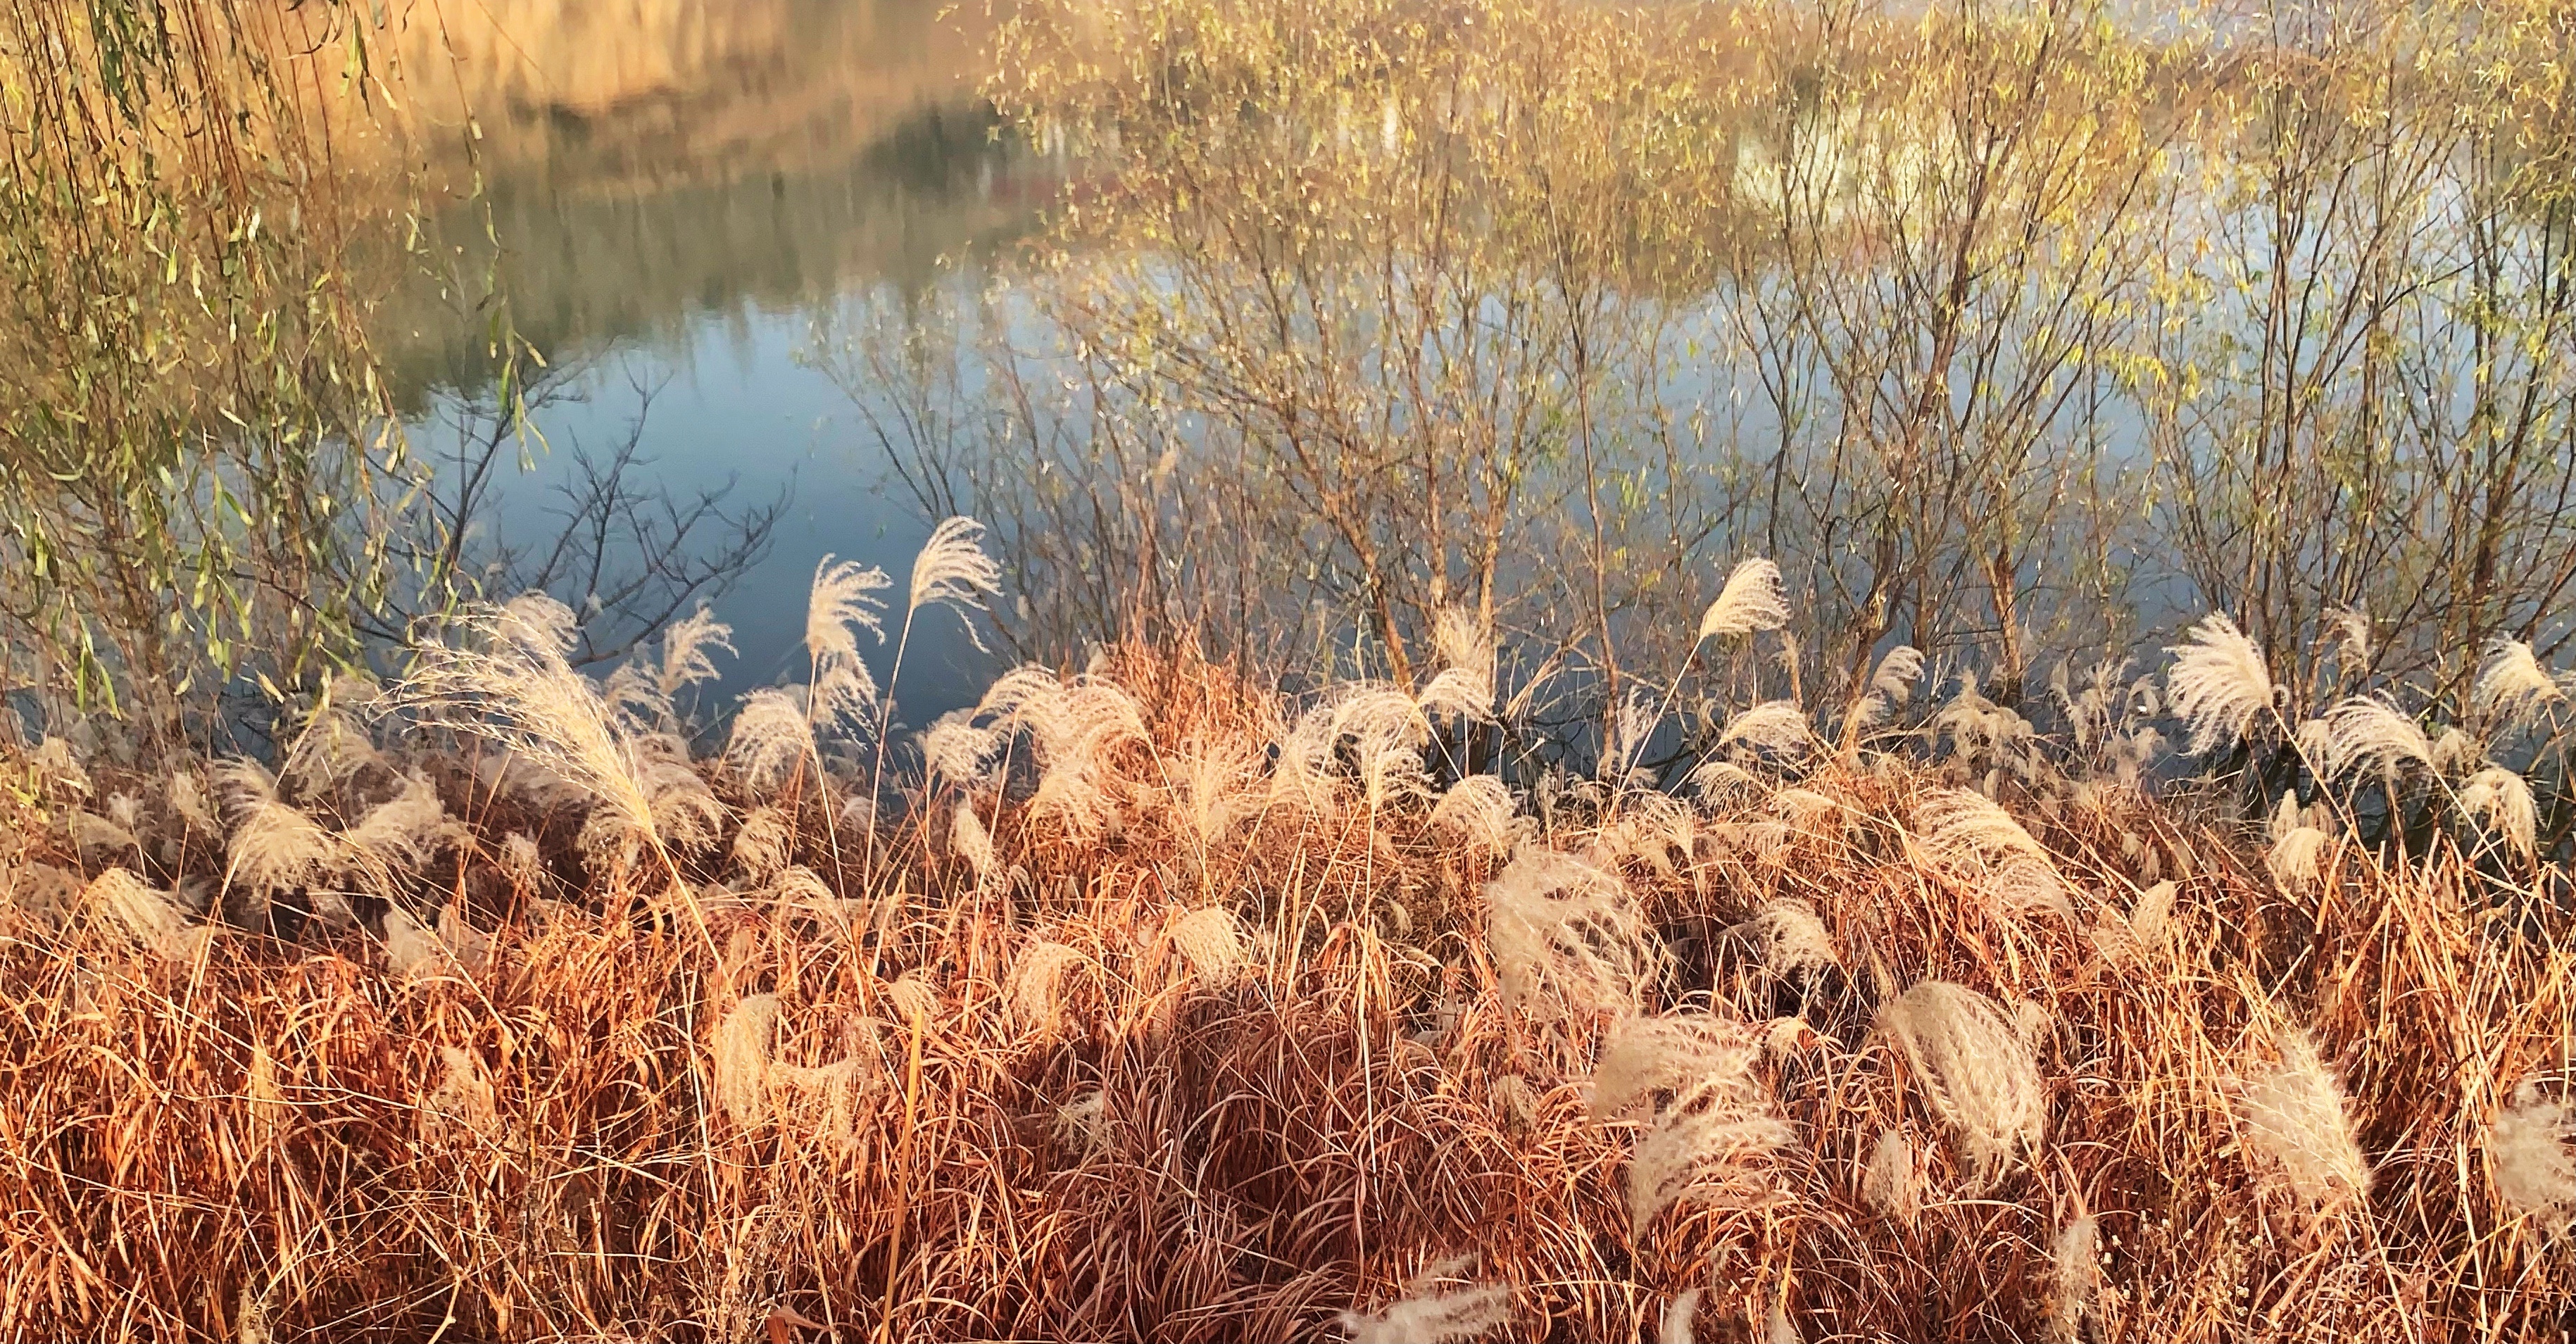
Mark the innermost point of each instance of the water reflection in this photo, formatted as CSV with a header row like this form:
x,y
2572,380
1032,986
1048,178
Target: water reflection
x,y
676,189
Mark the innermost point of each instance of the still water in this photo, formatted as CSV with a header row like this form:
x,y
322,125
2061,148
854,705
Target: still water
x,y
680,197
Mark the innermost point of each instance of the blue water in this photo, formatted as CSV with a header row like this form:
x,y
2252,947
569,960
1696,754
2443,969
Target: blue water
x,y
696,266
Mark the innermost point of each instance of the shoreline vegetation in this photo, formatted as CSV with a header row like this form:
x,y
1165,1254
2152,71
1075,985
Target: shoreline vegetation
x,y
1798,671
1142,1003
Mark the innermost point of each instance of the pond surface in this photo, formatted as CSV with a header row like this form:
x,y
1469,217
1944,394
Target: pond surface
x,y
679,200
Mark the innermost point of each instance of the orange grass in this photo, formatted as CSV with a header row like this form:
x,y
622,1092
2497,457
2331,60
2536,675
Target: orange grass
x,y
261,1139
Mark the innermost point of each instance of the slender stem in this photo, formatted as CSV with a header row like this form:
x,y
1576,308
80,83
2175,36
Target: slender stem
x,y
876,776
1663,708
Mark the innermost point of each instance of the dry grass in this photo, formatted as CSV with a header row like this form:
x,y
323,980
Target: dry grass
x,y
1097,1068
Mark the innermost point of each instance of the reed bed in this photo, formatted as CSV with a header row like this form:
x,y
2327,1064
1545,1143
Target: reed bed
x,y
1143,1005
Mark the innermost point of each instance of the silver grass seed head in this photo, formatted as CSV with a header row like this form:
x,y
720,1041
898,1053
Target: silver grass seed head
x,y
2218,684
1776,727
1975,1068
1429,1314
1752,599
952,570
2500,800
2511,683
2531,1146
2296,1125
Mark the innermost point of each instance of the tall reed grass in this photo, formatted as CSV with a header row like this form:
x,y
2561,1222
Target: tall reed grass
x,y
1144,1002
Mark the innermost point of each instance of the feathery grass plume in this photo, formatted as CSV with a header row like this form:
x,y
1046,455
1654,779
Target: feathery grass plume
x,y
50,894
2218,684
1517,1101
401,834
2531,1147
250,1317
1769,841
2296,860
188,799
688,645
1963,826
1652,826
1713,1124
2285,816
1428,1315
765,843
1386,732
145,914
1790,937
2142,931
957,751
90,831
330,750
2075,1265
2501,801
2032,1021
1774,727
968,840
1961,823
2026,886
274,846
843,602
1083,1121
834,1088
1718,779
2511,684
2153,912
634,704
2295,1124
1753,599
2095,714
1464,687
1890,1181
1625,739
1975,1070
1808,810
410,948
687,815
507,682
2368,731
742,1046
772,738
914,997
464,1098
1073,729
1303,776
1981,730
1208,783
1891,685
1036,987
645,692
1211,940
800,886
1029,698
1566,937
2129,754
57,767
520,861
1675,1328
952,570
2455,752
